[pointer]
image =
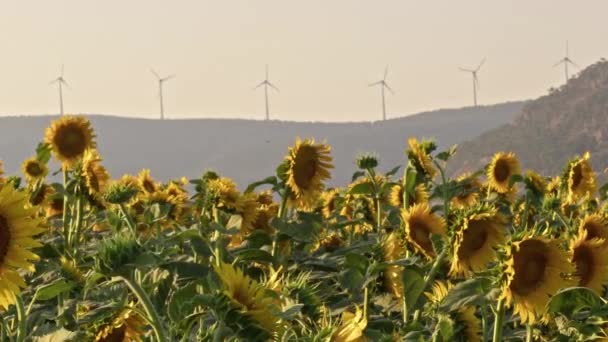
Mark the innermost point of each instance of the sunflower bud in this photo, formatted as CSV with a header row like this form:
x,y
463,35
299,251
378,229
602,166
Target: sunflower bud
x,y
117,254
210,175
367,161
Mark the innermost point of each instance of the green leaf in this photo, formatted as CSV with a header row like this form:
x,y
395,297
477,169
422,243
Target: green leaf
x,y
52,290
182,303
413,286
574,299
393,171
43,153
290,312
357,174
445,155
250,254
187,270
466,293
362,189
445,327
272,180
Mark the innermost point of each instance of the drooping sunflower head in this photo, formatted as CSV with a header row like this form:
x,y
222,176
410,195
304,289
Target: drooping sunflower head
x,y
95,175
420,155
352,328
503,166
395,196
470,191
472,327
595,226
478,236
17,230
69,137
591,259
226,193
329,201
535,182
393,250
581,179
308,165
535,271
146,183
247,295
127,326
33,169
420,224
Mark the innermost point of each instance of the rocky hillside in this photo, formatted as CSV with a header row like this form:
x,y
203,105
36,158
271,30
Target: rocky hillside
x,y
551,129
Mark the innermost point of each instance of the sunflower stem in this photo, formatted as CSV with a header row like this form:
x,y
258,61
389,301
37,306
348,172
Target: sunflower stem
x,y
433,271
529,332
143,298
75,234
66,229
498,318
22,318
128,219
365,300
280,215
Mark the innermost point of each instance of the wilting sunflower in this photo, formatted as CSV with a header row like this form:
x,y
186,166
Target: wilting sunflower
x,y
470,191
534,272
420,225
17,228
503,166
476,239
595,226
352,327
418,153
33,169
328,202
591,260
247,295
96,176
308,166
395,197
393,250
125,327
581,179
69,137
471,331
146,183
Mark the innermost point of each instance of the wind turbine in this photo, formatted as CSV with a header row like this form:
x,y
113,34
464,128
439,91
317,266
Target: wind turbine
x,y
60,83
566,60
161,80
266,83
475,79
383,85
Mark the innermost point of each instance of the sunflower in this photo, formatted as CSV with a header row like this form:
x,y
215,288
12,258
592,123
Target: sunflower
x,y
591,260
95,175
476,239
308,166
553,185
330,241
393,250
40,195
352,327
146,183
595,227
247,295
503,166
466,315
328,202
535,182
226,193
69,137
17,228
420,225
125,327
470,191
581,179
534,272
33,169
249,215
395,197
419,154
266,212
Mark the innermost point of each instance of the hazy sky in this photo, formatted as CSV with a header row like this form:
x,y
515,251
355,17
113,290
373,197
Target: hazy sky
x,y
322,54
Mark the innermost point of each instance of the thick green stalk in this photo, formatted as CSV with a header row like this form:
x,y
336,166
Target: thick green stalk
x,y
498,318
22,320
128,219
66,227
75,234
144,300
365,301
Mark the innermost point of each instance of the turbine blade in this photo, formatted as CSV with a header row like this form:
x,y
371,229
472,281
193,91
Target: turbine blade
x,y
65,83
154,73
385,73
167,78
54,81
389,88
259,85
61,70
480,64
375,83
466,70
273,87
572,62
558,63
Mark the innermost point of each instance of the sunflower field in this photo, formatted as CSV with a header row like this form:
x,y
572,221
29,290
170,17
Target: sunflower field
x,y
405,255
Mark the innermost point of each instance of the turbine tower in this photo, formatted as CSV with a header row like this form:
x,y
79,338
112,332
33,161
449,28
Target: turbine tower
x,y
566,60
60,83
383,85
161,81
266,83
475,79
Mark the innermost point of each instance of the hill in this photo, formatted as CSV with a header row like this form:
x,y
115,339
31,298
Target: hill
x,y
551,129
248,150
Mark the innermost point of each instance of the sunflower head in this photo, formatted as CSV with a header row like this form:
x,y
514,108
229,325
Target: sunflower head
x,y
225,192
595,226
535,271
470,191
478,236
367,161
126,326
581,179
591,259
395,196
420,224
329,201
17,230
419,153
503,166
69,137
146,183
95,175
247,295
308,165
33,169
